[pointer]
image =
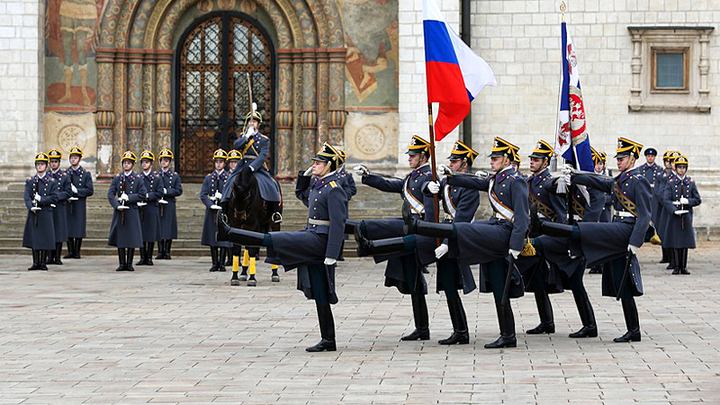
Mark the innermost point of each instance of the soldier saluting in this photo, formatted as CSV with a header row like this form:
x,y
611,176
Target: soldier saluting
x,y
81,186
40,196
126,190
149,210
64,192
172,188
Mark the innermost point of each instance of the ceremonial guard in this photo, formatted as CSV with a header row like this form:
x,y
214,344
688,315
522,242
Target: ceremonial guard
x,y
496,243
650,170
172,188
81,186
346,180
255,149
40,196
210,195
64,192
402,270
600,162
313,251
234,157
660,219
679,198
619,240
125,192
149,210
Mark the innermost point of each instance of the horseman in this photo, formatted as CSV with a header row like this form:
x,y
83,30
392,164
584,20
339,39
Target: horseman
x,y
255,149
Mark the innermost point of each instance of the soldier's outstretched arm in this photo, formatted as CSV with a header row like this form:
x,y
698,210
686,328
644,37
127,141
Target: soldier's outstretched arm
x,y
643,198
383,184
601,183
471,182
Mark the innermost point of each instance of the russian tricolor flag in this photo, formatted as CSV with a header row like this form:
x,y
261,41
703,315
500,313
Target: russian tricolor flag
x,y
455,74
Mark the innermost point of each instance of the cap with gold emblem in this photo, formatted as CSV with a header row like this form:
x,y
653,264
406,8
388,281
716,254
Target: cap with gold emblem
x,y
255,115
596,156
502,147
463,152
129,155
603,156
342,155
166,153
42,157
674,155
627,147
418,145
234,155
542,150
146,154
76,151
220,154
681,160
328,153
54,154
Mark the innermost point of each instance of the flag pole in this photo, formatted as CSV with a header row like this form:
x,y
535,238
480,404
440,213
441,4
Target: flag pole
x,y
433,164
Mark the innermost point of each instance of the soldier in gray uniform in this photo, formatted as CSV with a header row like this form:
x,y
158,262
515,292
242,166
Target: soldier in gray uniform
x,y
315,250
346,180
64,192
661,183
81,186
125,192
600,161
619,240
40,196
494,243
210,195
172,188
679,198
149,210
402,270
234,158
255,149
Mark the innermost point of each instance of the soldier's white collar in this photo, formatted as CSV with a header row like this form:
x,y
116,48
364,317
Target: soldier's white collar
x,y
147,172
327,175
505,169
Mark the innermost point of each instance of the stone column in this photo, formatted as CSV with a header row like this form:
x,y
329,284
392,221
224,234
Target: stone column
x,y
135,116
704,66
636,65
308,116
105,115
163,114
284,119
336,97
149,140
119,102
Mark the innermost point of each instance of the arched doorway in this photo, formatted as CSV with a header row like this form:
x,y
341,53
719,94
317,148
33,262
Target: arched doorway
x,y
219,58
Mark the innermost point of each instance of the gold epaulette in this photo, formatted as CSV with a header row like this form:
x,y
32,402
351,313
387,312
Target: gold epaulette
x,y
333,184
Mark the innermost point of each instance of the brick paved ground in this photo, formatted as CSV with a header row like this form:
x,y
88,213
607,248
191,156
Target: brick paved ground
x,y
175,333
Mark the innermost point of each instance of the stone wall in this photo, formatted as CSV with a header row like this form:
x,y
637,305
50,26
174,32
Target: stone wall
x,y
21,78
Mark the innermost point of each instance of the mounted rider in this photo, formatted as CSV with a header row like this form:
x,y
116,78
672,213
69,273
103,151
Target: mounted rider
x,y
255,149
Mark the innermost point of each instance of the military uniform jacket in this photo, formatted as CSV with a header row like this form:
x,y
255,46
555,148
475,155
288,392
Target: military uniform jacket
x,y
347,182
213,182
77,210
255,150
550,205
130,234
651,172
410,188
168,212
606,214
42,236
60,212
680,232
150,212
659,214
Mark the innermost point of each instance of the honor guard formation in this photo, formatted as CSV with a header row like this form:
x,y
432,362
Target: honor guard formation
x,y
544,231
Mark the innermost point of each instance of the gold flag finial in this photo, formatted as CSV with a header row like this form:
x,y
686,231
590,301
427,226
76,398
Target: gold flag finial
x,y
563,7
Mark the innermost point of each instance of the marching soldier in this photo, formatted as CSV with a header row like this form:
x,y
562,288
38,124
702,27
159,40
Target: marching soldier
x,y
255,149
40,196
149,210
125,192
402,270
210,195
64,192
619,240
679,198
172,188
600,161
313,251
81,186
496,243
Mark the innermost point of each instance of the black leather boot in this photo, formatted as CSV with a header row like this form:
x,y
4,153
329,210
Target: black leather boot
x,y
664,258
71,248
672,265
367,247
78,243
44,254
221,258
587,316
143,255
58,254
683,261
241,236
439,230
631,320
350,226
148,253
36,260
129,260
555,229
327,330
227,256
545,311
507,328
420,313
122,256
460,334
214,255
168,245
161,249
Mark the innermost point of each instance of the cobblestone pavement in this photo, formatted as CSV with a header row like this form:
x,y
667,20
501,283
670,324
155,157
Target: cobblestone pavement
x,y
175,333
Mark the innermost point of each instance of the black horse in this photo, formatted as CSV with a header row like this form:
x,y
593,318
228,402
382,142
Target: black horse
x,y
246,209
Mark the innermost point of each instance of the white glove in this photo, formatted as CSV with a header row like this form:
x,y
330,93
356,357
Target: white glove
x,y
308,172
124,197
37,197
164,190
141,204
482,174
441,251
361,170
684,200
680,212
444,171
568,169
330,261
434,187
35,209
515,253
215,207
633,249
218,195
73,188
250,131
